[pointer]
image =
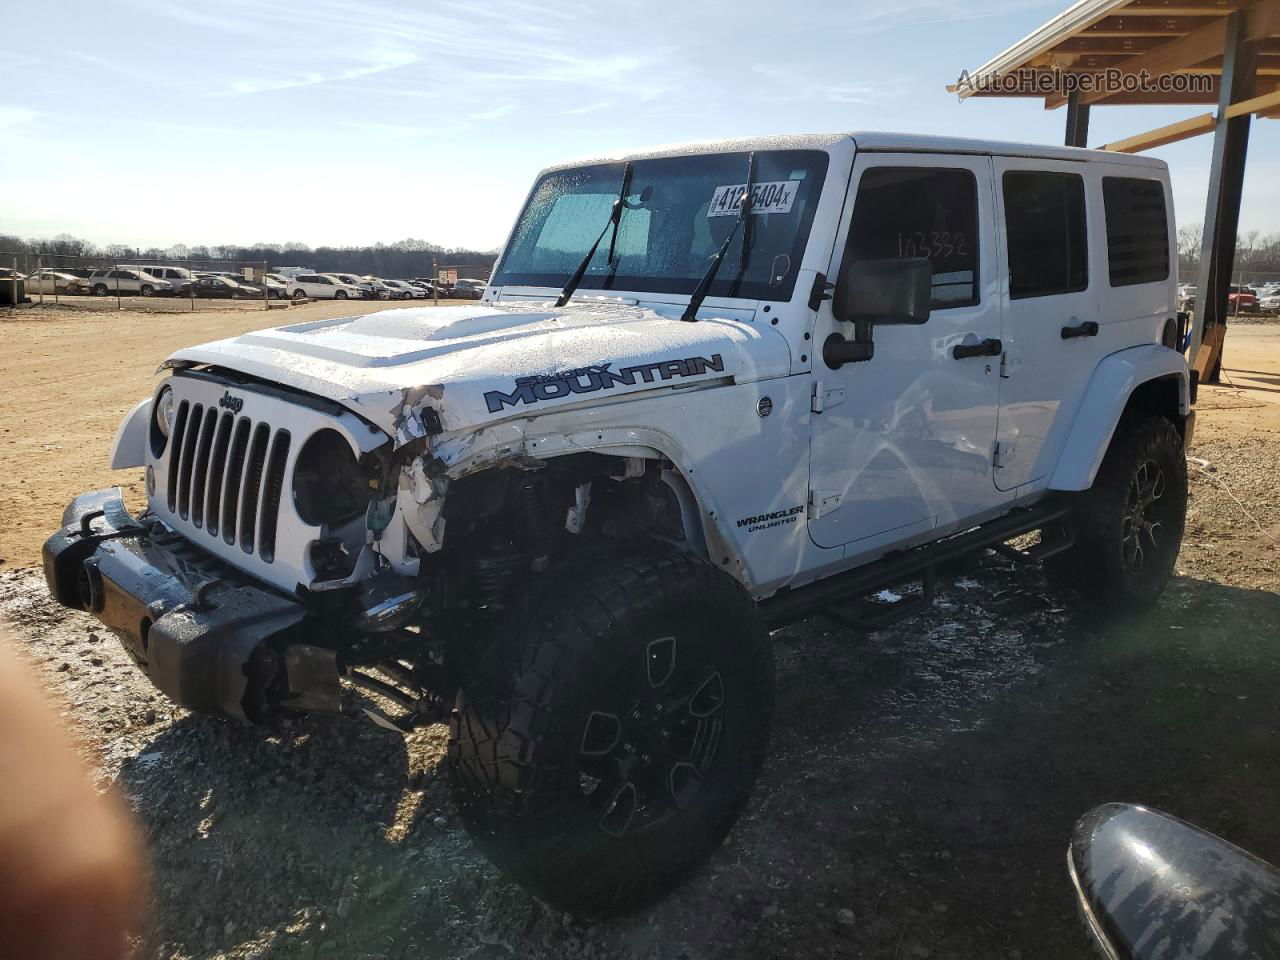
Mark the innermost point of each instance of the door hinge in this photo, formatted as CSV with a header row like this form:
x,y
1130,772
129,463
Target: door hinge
x,y
1003,454
824,399
822,502
820,291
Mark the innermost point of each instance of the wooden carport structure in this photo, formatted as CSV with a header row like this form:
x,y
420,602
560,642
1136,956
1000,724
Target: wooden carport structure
x,y
1223,53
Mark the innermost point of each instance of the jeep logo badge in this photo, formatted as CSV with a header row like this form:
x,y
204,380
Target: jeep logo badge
x,y
234,404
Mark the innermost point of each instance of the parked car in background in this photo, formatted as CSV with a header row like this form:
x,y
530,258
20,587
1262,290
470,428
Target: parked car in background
x,y
402,290
275,289
1242,299
55,281
104,283
367,290
1270,300
1186,296
322,286
380,289
179,277
468,289
218,287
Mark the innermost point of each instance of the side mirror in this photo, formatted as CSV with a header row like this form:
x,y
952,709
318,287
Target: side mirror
x,y
869,292
884,291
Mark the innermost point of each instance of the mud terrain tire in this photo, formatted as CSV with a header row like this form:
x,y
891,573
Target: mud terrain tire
x,y
1129,525
616,730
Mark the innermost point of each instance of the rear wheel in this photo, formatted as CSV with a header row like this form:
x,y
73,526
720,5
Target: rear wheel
x,y
299,295
615,730
1129,525
100,290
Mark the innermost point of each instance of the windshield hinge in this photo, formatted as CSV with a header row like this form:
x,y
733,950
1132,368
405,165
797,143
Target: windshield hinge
x,y
821,291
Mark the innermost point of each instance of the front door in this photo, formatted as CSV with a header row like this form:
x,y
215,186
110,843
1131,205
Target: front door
x,y
903,443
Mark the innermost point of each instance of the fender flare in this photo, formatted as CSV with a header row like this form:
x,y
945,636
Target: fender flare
x,y
1112,385
129,449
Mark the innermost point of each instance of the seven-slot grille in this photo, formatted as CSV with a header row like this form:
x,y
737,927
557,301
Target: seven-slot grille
x,y
226,476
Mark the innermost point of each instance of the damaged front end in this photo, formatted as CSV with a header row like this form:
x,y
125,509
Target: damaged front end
x,y
293,556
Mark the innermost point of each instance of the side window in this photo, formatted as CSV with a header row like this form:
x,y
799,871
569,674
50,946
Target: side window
x,y
1137,231
1045,219
921,212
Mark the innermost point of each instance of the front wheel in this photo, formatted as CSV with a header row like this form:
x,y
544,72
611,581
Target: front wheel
x,y
611,736
147,290
340,295
1128,526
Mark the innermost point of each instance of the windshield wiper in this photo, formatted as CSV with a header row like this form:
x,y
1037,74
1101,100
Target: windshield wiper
x,y
690,314
748,234
614,217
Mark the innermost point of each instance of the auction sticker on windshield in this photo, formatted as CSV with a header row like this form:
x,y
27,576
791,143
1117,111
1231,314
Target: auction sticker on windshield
x,y
774,197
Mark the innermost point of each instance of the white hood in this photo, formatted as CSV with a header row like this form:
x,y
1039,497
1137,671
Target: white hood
x,y
486,362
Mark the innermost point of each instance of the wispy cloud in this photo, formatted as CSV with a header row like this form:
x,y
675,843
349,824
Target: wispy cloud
x,y
873,16
588,108
799,83
387,60
495,112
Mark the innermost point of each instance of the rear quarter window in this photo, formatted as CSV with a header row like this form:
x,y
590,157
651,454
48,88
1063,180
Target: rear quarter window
x,y
1137,230
1047,234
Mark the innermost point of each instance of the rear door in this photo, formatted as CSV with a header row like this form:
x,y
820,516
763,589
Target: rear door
x,y
902,445
1048,285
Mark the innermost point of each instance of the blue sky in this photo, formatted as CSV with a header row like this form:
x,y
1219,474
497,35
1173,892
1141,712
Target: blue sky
x,y
150,122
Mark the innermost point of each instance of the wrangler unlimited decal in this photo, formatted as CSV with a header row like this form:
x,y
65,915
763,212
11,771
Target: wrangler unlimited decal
x,y
552,386
778,518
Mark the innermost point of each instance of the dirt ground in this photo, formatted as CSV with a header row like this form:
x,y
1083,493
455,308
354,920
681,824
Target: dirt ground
x,y
922,781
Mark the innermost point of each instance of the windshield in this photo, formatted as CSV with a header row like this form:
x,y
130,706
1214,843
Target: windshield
x,y
678,212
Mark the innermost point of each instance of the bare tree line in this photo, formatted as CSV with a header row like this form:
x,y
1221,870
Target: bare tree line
x,y
405,258
1257,254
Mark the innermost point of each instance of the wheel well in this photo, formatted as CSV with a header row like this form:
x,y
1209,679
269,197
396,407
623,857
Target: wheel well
x,y
1160,397
507,524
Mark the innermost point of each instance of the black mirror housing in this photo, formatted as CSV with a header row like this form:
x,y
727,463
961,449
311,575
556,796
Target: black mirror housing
x,y
895,291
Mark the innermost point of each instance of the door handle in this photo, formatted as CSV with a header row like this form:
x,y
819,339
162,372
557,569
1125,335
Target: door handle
x,y
1087,329
984,348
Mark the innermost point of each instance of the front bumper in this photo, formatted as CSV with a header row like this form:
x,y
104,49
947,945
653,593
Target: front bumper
x,y
208,637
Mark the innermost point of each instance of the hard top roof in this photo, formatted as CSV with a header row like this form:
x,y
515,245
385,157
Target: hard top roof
x,y
873,141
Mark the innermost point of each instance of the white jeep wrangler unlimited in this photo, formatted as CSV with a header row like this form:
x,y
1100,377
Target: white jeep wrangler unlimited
x,y
709,390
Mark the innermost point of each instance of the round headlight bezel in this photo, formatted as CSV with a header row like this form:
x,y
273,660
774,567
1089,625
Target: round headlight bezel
x,y
166,409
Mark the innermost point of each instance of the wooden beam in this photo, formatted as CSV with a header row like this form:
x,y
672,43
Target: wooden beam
x,y
1269,65
1259,105
1201,44
1118,25
1185,51
1171,133
1175,11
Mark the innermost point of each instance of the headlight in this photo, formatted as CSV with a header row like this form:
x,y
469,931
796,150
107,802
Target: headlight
x,y
166,407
